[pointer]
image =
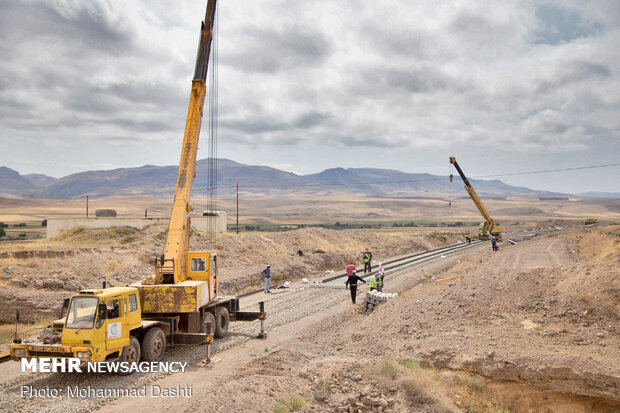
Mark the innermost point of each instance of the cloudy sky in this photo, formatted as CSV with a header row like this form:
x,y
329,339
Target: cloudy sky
x,y
505,86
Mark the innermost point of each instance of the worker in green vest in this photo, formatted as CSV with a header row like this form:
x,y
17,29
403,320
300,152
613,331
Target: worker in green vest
x,y
375,283
367,256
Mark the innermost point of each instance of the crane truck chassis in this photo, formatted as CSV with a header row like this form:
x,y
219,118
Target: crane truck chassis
x,y
182,306
108,325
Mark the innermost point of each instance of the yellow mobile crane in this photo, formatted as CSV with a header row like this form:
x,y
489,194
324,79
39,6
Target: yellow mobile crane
x,y
139,321
489,226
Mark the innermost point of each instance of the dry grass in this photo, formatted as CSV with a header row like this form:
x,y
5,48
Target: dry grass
x,y
602,242
294,403
389,367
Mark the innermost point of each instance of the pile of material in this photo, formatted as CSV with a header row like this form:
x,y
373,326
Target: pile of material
x,y
374,299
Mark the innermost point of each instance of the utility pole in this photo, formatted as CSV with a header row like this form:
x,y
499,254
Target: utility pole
x,y
86,206
237,207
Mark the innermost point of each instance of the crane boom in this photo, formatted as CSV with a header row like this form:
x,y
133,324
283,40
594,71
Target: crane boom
x,y
490,226
170,268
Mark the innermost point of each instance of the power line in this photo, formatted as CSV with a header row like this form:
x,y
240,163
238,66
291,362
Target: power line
x,y
550,170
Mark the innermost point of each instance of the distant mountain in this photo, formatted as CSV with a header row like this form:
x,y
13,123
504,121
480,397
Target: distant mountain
x,y
160,181
12,184
601,194
40,179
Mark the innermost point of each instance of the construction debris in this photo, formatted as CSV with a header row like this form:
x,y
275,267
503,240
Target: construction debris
x,y
374,299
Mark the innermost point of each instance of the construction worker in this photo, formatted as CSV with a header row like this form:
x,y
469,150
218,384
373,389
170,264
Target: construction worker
x,y
266,274
367,256
352,283
462,239
494,243
468,236
350,269
381,273
374,282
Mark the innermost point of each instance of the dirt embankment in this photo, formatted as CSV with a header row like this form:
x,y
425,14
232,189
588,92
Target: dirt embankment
x,y
533,327
545,311
36,277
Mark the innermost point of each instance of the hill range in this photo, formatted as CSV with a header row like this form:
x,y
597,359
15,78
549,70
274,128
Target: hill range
x,y
159,181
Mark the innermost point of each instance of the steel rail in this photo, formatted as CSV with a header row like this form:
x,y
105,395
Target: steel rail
x,y
393,264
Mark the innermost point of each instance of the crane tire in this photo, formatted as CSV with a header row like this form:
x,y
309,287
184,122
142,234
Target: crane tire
x,y
207,316
154,344
131,353
222,321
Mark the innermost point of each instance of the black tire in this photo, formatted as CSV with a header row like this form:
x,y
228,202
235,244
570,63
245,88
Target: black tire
x,y
222,321
207,316
131,353
154,345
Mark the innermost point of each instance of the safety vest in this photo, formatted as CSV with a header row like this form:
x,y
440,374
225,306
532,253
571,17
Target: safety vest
x,y
379,281
372,282
461,236
366,257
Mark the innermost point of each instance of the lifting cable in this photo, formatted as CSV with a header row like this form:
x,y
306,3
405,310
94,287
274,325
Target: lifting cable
x,y
213,124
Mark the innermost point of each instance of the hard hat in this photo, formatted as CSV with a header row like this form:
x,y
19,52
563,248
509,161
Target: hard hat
x,y
380,264
268,265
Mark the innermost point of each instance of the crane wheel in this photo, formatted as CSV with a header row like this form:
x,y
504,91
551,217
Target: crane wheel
x,y
131,353
207,316
154,345
222,321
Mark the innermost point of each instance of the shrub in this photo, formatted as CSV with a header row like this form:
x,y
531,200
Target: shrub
x,y
20,225
2,232
412,365
44,223
3,225
280,407
389,367
475,383
297,403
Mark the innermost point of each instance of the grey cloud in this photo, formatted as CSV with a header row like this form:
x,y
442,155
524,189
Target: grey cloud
x,y
270,51
262,124
378,80
254,125
70,23
404,42
369,139
574,72
310,119
478,29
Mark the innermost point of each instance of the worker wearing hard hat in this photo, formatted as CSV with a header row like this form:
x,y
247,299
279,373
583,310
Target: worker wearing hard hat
x,y
352,283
